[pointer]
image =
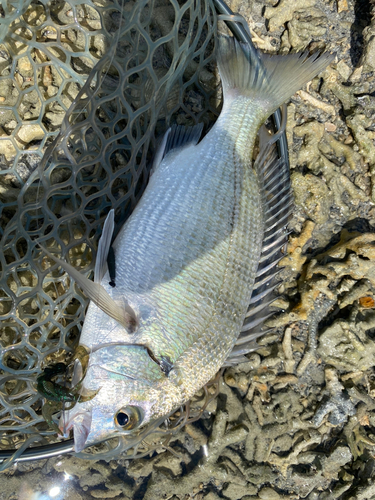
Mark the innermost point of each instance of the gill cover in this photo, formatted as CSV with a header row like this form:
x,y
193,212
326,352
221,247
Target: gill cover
x,y
125,377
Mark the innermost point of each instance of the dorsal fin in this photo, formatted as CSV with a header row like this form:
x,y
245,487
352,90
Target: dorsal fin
x,y
175,138
274,181
181,137
124,314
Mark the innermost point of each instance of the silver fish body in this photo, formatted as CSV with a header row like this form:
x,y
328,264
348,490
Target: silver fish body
x,y
186,261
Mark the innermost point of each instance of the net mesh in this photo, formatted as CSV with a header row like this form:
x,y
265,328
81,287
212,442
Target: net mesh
x,y
87,89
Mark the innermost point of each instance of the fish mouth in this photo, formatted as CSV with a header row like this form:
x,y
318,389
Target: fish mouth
x,y
81,424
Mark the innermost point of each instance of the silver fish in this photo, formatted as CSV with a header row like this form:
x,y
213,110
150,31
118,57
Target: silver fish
x,y
186,260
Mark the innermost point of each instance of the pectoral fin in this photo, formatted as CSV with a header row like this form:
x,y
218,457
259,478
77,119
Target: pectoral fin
x,y
124,314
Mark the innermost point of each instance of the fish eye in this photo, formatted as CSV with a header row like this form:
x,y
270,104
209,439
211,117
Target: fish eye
x,y
122,418
128,418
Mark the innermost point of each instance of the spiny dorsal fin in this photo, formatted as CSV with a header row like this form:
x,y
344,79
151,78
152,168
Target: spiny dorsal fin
x,y
125,314
103,247
175,138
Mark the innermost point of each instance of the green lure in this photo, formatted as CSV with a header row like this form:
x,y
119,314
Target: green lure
x,y
57,395
51,390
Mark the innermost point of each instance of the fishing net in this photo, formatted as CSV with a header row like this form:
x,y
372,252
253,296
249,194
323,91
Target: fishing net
x,y
85,90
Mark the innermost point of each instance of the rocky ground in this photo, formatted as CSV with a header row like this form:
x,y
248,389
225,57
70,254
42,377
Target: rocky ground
x,y
297,421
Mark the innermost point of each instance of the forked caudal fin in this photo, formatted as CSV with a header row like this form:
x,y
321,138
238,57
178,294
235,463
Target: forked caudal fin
x,y
269,80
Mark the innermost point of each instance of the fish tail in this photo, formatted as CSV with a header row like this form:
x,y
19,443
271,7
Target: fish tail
x,y
268,80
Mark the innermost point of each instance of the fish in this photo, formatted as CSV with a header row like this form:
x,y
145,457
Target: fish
x,y
187,262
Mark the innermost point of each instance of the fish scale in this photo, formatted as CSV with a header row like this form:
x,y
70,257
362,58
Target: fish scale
x,y
186,259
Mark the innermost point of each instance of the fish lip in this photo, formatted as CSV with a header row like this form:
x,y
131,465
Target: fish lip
x,y
65,426
81,430
81,424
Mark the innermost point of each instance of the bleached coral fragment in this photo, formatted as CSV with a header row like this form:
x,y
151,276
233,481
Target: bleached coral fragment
x,y
338,406
284,11
312,193
306,25
327,108
357,123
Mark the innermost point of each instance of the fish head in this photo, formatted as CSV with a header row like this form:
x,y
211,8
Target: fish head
x,y
131,395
